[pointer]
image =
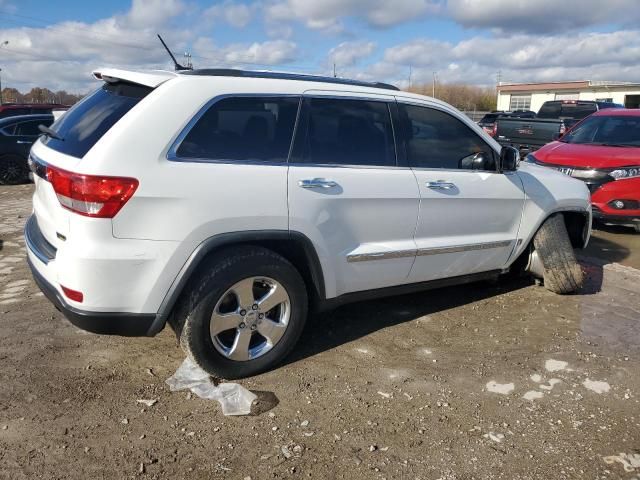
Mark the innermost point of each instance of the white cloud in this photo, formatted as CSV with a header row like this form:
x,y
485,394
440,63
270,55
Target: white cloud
x,y
541,16
272,52
349,53
235,14
328,15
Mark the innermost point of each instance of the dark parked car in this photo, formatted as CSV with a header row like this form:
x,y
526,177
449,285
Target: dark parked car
x,y
553,120
17,134
15,109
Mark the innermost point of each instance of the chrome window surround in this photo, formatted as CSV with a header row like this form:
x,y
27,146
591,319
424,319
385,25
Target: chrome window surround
x,y
420,252
175,145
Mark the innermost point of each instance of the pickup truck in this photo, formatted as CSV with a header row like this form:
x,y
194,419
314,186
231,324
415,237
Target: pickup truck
x,y
553,120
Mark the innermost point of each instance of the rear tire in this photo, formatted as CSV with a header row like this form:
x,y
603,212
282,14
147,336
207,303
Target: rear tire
x,y
13,170
562,272
214,298
637,227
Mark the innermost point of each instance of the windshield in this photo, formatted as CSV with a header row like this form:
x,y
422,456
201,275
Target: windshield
x,y
619,131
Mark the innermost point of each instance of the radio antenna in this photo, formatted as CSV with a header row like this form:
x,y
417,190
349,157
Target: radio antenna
x,y
176,65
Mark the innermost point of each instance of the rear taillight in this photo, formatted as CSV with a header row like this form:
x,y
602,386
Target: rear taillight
x,y
91,195
72,294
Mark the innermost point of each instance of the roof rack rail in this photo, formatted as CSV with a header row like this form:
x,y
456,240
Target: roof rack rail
x,y
231,72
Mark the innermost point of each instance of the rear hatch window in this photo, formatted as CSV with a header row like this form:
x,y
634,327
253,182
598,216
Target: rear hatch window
x,y
84,124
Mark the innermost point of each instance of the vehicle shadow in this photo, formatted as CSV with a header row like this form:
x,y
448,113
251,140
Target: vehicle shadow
x,y
330,329
600,252
1,244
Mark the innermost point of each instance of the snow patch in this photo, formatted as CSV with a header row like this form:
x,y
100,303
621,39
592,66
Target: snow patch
x,y
501,388
596,386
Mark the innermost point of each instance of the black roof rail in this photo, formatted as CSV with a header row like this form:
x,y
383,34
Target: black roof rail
x,y
231,72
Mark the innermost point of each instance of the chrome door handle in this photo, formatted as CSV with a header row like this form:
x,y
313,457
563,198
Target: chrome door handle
x,y
317,183
441,185
20,142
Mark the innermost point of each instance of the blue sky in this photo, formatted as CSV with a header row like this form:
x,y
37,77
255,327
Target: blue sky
x,y
57,44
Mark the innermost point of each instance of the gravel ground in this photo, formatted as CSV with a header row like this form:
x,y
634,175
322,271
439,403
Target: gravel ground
x,y
480,381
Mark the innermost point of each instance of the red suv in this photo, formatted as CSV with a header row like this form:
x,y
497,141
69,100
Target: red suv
x,y
603,150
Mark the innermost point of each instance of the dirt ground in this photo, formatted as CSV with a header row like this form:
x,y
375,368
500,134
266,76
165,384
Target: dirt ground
x,y
483,381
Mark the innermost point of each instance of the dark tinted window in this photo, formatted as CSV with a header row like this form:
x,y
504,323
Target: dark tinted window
x,y
574,111
435,139
347,132
243,128
12,112
549,110
87,121
31,128
577,111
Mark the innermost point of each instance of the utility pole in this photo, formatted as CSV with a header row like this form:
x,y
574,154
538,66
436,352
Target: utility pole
x,y
410,73
498,82
433,92
335,75
6,42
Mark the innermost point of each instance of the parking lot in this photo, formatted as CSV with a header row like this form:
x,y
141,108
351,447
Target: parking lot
x,y
478,381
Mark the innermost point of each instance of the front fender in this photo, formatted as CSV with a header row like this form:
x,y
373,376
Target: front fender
x,y
547,192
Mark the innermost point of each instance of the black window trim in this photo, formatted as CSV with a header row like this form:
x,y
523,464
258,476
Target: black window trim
x,y
172,155
402,101
393,117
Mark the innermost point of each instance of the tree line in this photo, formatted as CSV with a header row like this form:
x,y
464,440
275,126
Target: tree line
x,y
39,95
463,97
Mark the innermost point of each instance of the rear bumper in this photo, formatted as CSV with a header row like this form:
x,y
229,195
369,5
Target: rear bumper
x,y
124,324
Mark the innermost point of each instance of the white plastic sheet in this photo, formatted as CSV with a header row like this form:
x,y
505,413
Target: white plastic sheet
x,y
234,398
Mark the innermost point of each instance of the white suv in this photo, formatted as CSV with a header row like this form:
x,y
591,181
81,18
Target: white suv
x,y
229,203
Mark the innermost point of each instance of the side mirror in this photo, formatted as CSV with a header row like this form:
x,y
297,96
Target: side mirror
x,y
556,136
509,159
478,161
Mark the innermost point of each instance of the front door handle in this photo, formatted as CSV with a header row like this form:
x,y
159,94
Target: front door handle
x,y
317,183
441,185
22,142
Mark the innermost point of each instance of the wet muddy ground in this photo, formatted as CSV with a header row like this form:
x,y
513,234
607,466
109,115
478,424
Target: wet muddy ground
x,y
481,381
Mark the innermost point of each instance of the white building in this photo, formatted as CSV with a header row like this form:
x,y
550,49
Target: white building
x,y
531,96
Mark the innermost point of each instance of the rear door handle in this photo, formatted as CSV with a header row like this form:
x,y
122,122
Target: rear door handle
x,y
441,185
317,183
22,142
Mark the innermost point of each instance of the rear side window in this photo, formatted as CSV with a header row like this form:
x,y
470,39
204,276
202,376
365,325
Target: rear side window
x,y
346,132
30,129
84,124
243,128
435,139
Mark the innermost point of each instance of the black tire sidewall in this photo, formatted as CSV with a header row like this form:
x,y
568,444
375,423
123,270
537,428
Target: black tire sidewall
x,y
23,170
213,283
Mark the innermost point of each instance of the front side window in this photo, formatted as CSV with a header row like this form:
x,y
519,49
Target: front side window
x,y
435,139
347,132
243,128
